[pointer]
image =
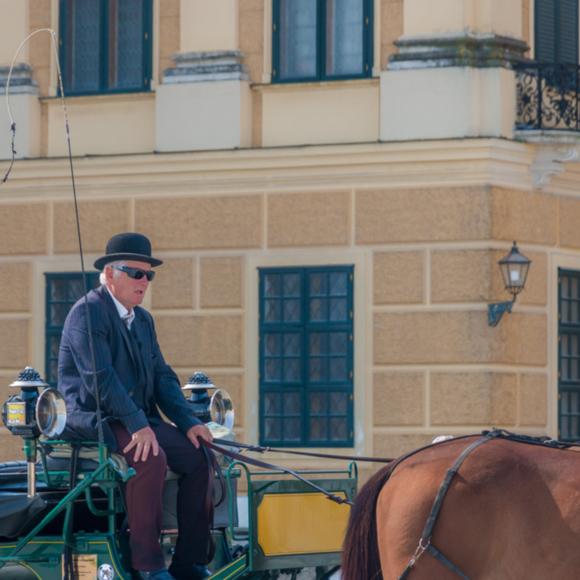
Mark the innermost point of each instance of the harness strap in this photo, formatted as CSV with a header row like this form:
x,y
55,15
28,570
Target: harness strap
x,y
264,465
425,541
261,449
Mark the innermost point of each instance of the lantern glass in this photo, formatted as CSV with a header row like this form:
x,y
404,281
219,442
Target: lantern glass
x,y
514,268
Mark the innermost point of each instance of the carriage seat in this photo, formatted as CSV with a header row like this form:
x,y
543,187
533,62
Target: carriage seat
x,y
59,456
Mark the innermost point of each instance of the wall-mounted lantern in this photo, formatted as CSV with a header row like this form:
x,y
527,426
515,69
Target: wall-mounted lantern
x,y
514,269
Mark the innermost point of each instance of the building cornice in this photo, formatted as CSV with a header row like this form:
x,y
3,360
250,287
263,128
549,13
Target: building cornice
x,y
438,163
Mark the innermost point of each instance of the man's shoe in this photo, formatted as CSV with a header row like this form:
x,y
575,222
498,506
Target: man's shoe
x,y
161,574
195,572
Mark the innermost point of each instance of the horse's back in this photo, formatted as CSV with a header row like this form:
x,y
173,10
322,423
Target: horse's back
x,y
512,511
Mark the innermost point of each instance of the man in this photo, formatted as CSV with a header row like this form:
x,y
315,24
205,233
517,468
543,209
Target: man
x,y
133,383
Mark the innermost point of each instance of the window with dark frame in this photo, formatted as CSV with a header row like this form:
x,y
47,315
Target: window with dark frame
x,y
306,356
321,40
569,355
63,289
105,45
556,31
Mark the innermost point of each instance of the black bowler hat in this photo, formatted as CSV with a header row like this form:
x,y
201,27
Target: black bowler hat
x,y
127,246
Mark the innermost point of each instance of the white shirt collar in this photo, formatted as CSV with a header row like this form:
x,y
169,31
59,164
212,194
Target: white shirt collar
x,y
126,315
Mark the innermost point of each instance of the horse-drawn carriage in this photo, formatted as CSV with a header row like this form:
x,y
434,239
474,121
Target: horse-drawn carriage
x,y
62,512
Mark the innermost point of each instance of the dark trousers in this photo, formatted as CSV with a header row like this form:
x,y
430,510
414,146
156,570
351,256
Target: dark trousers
x,y
144,498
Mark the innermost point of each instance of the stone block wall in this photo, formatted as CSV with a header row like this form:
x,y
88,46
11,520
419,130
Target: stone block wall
x,y
430,267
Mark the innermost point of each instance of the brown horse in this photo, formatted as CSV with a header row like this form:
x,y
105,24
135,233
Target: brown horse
x,y
512,512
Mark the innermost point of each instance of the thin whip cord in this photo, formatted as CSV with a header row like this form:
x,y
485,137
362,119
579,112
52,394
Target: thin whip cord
x,y
52,33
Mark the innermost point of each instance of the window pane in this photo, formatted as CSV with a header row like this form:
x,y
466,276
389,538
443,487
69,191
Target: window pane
x,y
319,429
338,343
292,429
272,285
298,53
337,309
52,372
292,370
58,314
318,285
58,290
272,310
272,344
292,285
338,284
338,369
316,369
291,344
337,429
291,404
272,404
291,310
273,370
273,429
317,344
317,310
318,404
83,45
344,37
338,403
54,345
76,288
126,38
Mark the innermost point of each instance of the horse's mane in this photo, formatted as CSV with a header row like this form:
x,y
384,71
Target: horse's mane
x,y
360,555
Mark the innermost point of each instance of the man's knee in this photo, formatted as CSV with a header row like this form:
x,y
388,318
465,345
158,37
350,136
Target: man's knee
x,y
155,464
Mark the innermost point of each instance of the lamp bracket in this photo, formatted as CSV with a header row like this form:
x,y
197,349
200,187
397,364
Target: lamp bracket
x,y
497,310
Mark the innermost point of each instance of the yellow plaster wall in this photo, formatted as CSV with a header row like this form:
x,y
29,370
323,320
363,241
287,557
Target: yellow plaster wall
x,y
104,124
320,113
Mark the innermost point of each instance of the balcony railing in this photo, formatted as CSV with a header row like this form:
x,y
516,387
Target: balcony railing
x,y
547,96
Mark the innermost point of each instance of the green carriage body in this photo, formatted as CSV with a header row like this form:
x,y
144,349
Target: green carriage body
x,y
97,549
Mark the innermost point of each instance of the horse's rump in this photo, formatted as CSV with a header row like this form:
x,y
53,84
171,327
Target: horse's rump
x,y
512,511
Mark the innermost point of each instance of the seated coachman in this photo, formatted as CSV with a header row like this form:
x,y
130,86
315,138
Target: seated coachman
x,y
118,385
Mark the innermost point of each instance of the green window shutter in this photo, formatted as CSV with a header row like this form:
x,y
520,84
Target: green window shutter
x,y
567,36
306,356
63,289
556,31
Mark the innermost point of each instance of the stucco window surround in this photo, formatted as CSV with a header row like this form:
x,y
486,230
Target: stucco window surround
x,y
560,262
362,268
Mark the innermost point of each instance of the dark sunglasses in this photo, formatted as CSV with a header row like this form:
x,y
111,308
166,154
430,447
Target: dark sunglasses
x,y
136,273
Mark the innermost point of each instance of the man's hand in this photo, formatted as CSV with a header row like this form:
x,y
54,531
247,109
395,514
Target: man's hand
x,y
145,441
199,432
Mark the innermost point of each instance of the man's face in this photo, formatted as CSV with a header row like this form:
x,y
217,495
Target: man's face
x,y
128,291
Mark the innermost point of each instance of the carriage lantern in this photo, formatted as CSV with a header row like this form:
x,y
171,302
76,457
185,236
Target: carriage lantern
x,y
514,269
217,411
29,414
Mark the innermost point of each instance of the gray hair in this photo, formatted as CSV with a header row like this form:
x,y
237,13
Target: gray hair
x,y
116,273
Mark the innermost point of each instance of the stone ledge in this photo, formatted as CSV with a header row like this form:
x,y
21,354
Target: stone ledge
x,y
21,81
466,49
198,67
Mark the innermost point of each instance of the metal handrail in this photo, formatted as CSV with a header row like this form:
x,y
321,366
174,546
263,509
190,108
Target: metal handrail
x,y
547,96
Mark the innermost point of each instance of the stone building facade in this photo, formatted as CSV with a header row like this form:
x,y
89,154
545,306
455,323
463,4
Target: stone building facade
x,y
416,175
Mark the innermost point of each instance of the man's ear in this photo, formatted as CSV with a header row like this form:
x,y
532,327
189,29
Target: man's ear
x,y
108,273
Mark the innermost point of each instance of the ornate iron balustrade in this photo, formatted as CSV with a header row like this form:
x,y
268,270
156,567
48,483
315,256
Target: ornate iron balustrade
x,y
547,96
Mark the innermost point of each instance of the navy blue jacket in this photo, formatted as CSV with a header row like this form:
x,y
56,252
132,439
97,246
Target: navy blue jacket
x,y
117,373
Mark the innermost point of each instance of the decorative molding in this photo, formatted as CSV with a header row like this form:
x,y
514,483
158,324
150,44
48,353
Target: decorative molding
x,y
21,81
465,49
549,161
202,67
